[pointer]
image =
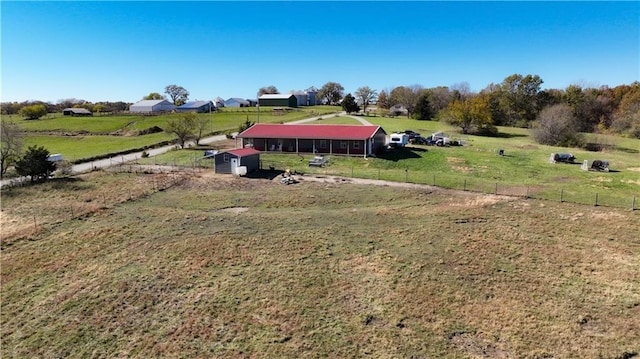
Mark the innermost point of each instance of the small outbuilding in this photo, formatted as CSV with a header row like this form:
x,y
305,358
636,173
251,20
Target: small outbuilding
x,y
233,161
72,111
236,102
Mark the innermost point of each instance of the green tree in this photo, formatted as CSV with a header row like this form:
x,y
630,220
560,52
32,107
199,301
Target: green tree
x,y
33,112
10,144
349,104
423,110
471,115
331,93
182,126
179,95
35,164
516,100
268,90
364,96
154,96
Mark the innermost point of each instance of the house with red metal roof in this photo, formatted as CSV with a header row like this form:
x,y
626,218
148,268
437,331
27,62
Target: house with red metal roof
x,y
350,140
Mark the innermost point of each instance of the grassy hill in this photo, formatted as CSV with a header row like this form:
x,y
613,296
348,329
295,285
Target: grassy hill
x,y
203,265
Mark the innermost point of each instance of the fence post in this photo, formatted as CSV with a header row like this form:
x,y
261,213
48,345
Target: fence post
x,y
378,173
561,193
496,190
596,199
526,192
351,171
406,175
633,204
464,187
434,180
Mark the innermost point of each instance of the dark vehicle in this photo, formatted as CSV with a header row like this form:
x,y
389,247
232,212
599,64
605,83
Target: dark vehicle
x,y
414,137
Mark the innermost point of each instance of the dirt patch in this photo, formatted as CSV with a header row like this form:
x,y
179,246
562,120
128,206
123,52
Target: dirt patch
x,y
236,210
476,347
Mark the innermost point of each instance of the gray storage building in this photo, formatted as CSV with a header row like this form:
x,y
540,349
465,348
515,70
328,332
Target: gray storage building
x,y
229,161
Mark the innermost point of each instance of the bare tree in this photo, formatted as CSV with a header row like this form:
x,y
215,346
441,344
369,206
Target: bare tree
x,y
365,95
10,144
556,126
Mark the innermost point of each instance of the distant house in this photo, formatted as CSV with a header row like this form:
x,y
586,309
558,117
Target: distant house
x,y
280,100
236,102
350,140
197,106
152,106
229,161
76,112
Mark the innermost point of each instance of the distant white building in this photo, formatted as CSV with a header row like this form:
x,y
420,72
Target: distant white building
x,y
152,106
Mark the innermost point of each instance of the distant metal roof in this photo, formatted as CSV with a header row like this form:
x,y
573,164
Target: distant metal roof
x,y
195,104
328,132
276,96
77,110
242,152
149,102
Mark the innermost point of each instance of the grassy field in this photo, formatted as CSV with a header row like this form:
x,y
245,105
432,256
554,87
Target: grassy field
x,y
78,138
203,265
523,171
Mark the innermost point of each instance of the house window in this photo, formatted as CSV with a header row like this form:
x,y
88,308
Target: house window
x,y
322,144
356,145
343,144
225,157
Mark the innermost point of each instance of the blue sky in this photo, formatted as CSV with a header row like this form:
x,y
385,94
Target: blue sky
x,y
122,51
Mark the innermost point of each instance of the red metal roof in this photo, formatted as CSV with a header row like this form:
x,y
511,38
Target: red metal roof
x,y
241,152
328,132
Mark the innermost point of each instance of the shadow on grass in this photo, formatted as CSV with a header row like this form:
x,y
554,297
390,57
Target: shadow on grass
x,y
502,135
265,174
627,150
398,154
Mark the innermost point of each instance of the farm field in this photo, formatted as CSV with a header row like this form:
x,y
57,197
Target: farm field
x,y
200,265
523,171
79,138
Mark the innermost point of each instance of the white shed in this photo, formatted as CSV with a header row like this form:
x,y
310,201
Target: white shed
x,y
152,106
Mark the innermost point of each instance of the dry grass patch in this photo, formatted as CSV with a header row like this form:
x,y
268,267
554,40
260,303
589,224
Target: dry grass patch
x,y
220,266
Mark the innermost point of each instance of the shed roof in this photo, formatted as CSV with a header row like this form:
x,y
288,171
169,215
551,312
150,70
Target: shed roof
x,y
77,110
195,104
242,152
149,102
275,96
329,132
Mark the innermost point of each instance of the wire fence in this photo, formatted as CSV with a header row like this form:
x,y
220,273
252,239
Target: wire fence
x,y
470,184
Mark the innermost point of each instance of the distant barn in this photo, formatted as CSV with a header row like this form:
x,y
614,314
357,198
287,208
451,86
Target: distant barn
x,y
149,106
76,112
197,106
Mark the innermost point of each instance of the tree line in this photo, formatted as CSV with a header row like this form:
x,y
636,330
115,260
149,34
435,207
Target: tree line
x,y
518,101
